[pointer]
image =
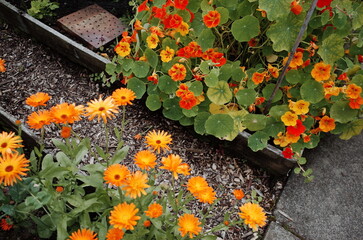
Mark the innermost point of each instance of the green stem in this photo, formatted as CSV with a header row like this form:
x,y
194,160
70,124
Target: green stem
x,y
120,193
123,123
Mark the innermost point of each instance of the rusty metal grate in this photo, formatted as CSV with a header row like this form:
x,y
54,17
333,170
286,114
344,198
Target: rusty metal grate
x,y
93,24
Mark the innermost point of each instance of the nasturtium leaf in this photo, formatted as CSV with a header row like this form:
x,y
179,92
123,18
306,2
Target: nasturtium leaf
x,y
245,8
110,68
172,110
312,91
211,80
245,28
237,74
294,76
342,113
246,96
258,141
278,110
301,160
357,17
204,66
267,92
206,39
297,147
196,87
224,14
352,129
284,32
205,6
199,122
225,72
194,5
340,20
191,112
255,122
275,9
159,3
331,49
153,102
168,42
358,80
220,94
273,127
140,69
137,86
167,85
152,57
186,121
313,143
229,3
219,125
325,16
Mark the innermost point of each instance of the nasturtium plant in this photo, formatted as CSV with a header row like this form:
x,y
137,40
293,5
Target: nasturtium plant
x,y
294,68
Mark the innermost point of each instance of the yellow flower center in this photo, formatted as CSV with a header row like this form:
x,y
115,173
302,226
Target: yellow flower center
x,y
9,168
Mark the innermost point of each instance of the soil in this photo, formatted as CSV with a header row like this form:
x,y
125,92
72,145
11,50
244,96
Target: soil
x,y
33,67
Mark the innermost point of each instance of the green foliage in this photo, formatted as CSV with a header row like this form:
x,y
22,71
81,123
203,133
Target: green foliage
x,y
42,8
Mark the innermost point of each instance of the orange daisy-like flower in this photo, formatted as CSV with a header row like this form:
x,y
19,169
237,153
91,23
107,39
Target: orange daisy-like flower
x,y
154,210
145,159
136,184
66,132
289,119
6,224
238,194
116,174
197,184
299,107
65,113
83,234
158,140
123,49
189,224
327,124
253,215
101,109
177,72
167,54
321,71
258,78
123,96
37,120
9,142
174,164
208,195
38,99
115,234
2,65
123,216
353,91
152,41
12,167
212,19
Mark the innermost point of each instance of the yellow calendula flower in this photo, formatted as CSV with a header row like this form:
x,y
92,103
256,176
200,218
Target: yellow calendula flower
x,y
158,140
154,210
145,159
101,108
123,216
299,107
174,164
253,215
152,41
12,167
167,54
189,224
9,142
136,184
289,119
38,99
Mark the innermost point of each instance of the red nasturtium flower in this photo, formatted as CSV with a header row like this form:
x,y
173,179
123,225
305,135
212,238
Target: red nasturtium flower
x,y
252,42
173,21
321,71
295,7
6,223
323,3
143,6
159,12
296,130
181,4
288,153
212,19
360,58
177,72
355,103
188,101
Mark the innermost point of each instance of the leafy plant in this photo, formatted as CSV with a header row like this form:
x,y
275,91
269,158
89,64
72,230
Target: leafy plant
x,y
41,8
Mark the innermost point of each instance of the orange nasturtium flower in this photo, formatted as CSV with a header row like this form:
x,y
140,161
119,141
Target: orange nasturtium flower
x,y
188,101
177,72
167,54
123,96
158,140
38,99
2,65
123,49
274,71
189,224
299,107
297,60
145,159
101,109
295,7
123,216
9,142
238,194
327,124
115,234
321,71
116,174
355,103
37,120
212,19
353,91
154,210
258,78
66,132
83,234
152,41
174,164
289,118
183,29
12,167
253,215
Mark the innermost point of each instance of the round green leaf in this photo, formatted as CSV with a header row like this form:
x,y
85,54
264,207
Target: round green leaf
x,y
246,96
225,72
342,113
275,9
313,143
267,92
220,94
152,57
196,87
258,141
137,86
219,125
312,91
167,85
358,80
153,102
245,28
190,112
224,14
332,48
186,121
255,122
206,39
294,76
278,110
211,80
172,110
274,127
140,69
199,122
